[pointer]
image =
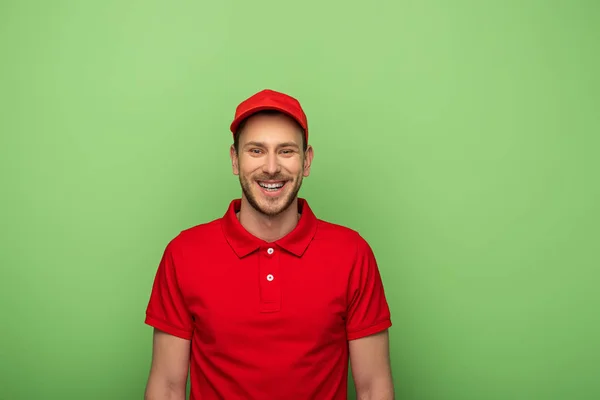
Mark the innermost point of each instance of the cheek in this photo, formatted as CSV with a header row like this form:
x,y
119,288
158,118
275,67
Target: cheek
x,y
248,166
293,167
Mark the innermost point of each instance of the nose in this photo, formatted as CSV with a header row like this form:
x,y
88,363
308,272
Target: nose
x,y
271,165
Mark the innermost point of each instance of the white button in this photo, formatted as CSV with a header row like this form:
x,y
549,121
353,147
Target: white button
x,y
270,250
269,277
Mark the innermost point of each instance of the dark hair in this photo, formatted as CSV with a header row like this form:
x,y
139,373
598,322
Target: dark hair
x,y
236,136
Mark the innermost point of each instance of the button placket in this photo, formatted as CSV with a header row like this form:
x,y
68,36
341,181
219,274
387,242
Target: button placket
x,y
270,289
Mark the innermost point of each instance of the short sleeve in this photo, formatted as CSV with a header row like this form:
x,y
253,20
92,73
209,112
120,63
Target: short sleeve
x,y
368,311
167,310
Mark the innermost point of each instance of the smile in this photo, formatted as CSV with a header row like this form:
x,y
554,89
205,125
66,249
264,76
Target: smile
x,y
271,187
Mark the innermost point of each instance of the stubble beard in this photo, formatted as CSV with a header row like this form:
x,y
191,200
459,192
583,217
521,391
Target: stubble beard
x,y
247,184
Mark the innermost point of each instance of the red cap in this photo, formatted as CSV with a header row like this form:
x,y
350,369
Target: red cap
x,y
270,100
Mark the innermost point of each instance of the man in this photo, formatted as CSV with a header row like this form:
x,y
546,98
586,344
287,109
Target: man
x,y
269,302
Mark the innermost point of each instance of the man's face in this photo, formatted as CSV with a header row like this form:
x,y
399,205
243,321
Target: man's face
x,y
270,162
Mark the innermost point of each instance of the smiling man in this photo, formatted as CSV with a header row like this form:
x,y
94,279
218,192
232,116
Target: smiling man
x,y
269,301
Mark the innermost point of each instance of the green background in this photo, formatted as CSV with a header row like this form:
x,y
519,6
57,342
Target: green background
x,y
459,137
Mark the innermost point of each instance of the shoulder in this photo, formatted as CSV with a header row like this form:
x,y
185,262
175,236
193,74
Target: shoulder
x,y
328,229
193,236
342,235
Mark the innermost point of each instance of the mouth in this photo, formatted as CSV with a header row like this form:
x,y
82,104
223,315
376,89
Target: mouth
x,y
271,188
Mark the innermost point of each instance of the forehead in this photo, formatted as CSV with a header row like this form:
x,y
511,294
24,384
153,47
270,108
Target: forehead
x,y
271,129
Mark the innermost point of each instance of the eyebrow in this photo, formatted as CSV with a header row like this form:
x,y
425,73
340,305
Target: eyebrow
x,y
260,144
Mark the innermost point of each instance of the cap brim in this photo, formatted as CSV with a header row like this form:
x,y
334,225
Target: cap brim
x,y
246,114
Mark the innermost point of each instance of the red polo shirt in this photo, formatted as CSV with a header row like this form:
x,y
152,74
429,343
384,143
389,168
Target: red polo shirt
x,y
268,320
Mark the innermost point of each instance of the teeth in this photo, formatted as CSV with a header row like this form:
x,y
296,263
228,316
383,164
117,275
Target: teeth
x,y
272,186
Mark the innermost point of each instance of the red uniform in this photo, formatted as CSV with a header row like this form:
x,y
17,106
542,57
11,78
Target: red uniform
x,y
268,321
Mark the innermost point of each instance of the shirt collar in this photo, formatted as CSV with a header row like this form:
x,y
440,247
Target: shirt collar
x,y
244,243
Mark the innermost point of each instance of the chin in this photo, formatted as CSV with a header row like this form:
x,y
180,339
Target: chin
x,y
270,201
274,206
270,206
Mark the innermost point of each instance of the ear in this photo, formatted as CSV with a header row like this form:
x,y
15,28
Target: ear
x,y
234,160
308,157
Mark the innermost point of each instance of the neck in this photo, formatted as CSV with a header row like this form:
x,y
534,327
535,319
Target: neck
x,y
268,228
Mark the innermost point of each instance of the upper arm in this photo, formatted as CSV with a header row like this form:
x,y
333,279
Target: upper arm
x,y
368,320
370,364
167,308
367,308
170,364
169,314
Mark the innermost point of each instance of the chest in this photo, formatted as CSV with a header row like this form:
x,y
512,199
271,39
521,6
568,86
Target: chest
x,y
269,295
